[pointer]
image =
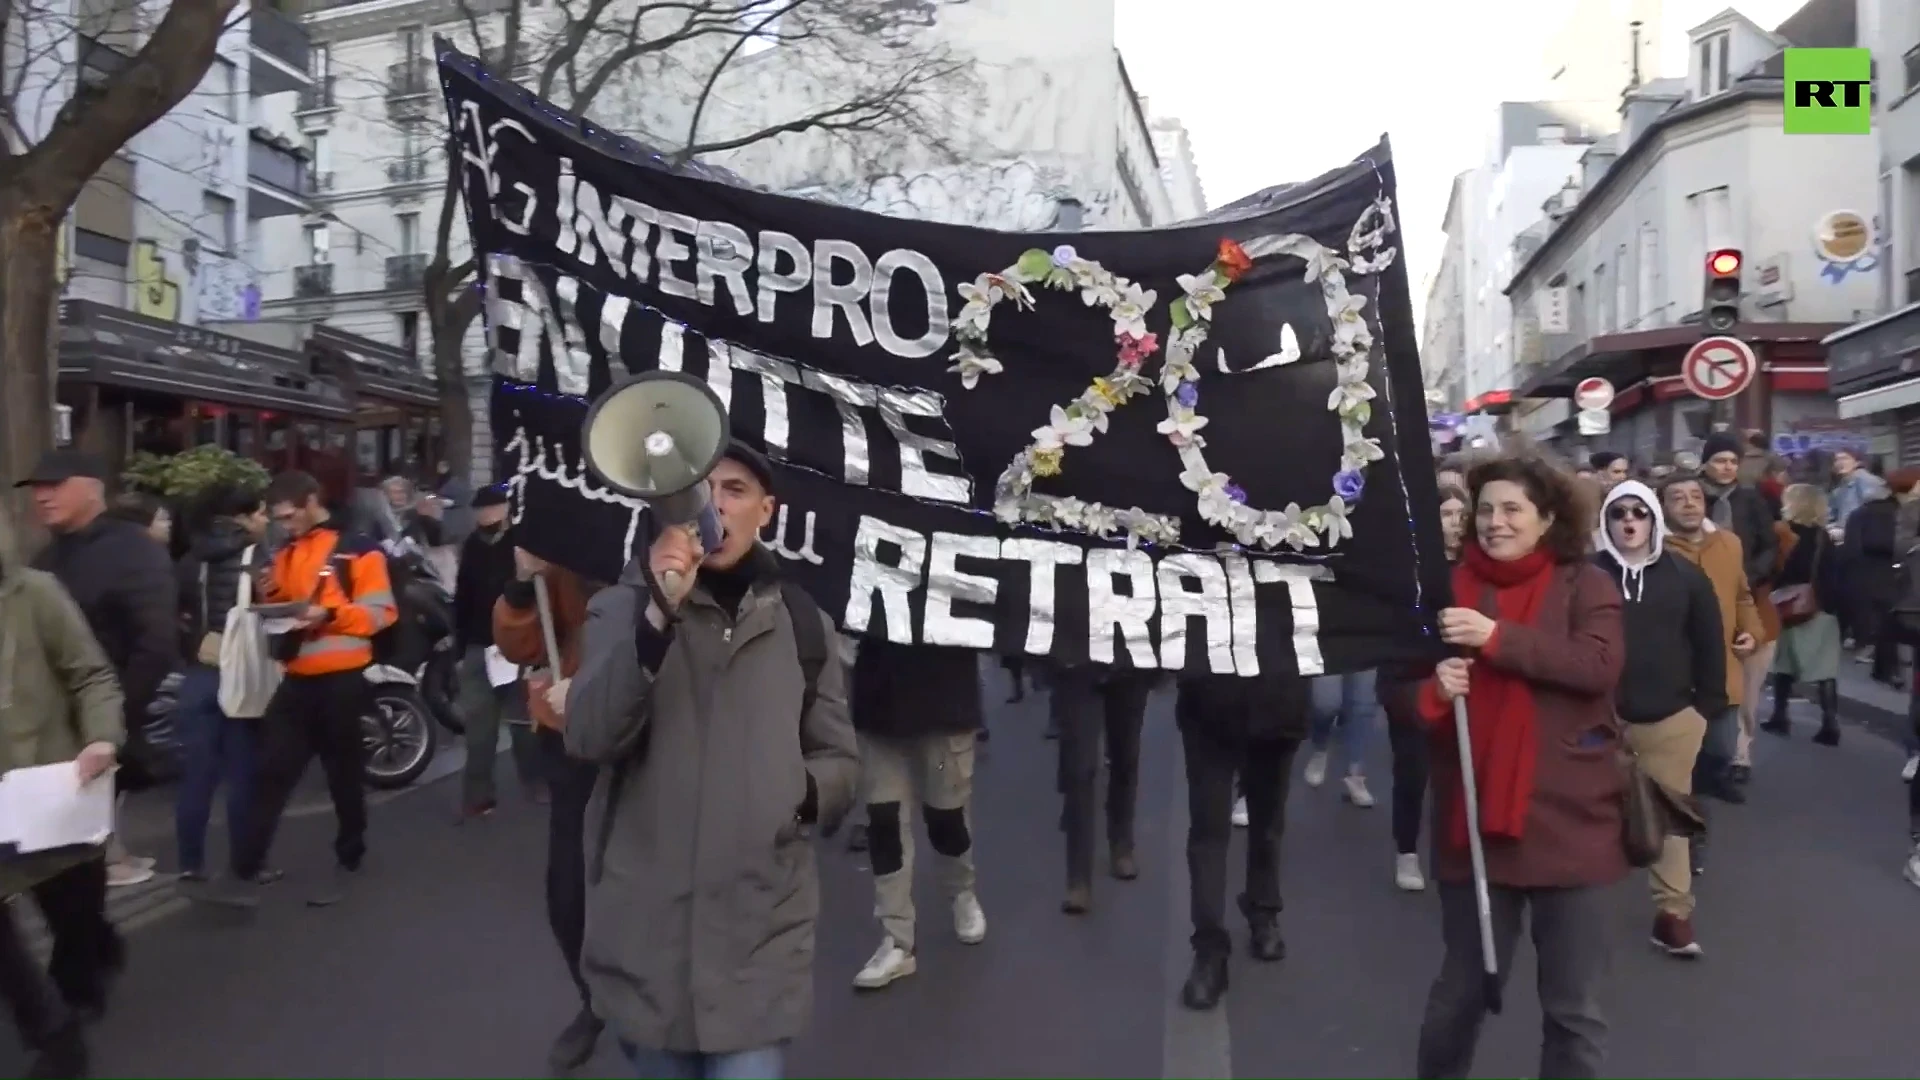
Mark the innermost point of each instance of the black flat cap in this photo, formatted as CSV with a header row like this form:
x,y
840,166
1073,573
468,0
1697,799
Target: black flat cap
x,y
59,466
751,460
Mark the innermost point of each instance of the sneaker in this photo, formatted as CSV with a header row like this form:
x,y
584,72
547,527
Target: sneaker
x,y
1674,935
1357,792
1316,772
224,892
1912,871
1240,811
333,889
576,1043
1912,766
1406,873
889,962
969,921
128,873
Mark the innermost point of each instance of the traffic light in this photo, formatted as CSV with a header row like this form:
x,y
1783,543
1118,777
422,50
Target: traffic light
x,y
1720,309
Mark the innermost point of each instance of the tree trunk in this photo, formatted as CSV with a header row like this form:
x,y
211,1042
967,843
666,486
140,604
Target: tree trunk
x,y
449,313
28,292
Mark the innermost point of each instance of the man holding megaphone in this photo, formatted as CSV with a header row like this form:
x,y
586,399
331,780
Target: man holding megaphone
x,y
707,686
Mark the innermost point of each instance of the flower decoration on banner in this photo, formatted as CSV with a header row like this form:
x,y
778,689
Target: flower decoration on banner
x,y
1221,502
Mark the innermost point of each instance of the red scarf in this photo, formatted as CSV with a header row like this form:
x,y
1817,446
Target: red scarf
x,y
1500,716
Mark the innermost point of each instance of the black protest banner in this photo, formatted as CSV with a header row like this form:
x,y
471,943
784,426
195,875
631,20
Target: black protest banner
x,y
1198,448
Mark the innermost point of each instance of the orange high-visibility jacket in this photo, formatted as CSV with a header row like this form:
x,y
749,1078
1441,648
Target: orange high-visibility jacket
x,y
344,642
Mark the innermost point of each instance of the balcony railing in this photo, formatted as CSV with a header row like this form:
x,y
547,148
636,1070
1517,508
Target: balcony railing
x,y
1911,62
318,96
406,273
314,279
409,78
1913,285
277,167
279,37
408,170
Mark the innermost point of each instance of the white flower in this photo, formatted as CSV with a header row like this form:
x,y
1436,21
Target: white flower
x,y
1019,294
1096,288
1182,427
1347,395
1063,430
1322,263
1130,312
1333,521
1203,291
985,290
973,319
1198,479
1381,260
970,365
1176,370
1359,453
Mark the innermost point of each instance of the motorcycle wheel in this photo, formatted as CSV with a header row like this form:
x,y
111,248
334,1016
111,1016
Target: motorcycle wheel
x,y
399,739
439,683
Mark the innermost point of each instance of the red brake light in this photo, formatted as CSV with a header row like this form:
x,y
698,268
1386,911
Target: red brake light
x,y
1724,263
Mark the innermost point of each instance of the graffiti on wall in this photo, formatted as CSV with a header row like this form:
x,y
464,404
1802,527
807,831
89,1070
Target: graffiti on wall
x,y
224,290
155,294
1846,242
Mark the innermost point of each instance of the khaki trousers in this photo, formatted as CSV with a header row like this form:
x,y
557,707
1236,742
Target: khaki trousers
x,y
1753,697
1667,749
939,769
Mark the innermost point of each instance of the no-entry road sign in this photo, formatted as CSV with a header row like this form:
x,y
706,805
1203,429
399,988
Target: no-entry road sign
x,y
1594,393
1718,368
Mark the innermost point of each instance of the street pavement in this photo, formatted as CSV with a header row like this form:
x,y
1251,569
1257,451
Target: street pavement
x,y
440,963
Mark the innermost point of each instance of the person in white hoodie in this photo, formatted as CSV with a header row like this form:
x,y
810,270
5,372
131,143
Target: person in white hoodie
x,y
1675,676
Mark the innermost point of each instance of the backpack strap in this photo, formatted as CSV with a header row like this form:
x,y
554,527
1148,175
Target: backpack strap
x,y
809,640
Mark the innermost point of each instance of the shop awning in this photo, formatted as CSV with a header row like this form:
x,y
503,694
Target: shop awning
x,y
108,346
380,371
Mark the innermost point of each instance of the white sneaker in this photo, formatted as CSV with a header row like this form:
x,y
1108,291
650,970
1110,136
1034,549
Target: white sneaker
x,y
128,873
1240,812
1406,873
969,922
1316,773
889,962
1910,768
1357,792
1912,871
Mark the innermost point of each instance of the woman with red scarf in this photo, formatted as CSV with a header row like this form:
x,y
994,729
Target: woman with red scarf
x,y
1538,628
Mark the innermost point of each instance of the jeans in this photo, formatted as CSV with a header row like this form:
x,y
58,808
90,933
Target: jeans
x,y
1090,710
1570,947
38,1012
216,750
571,782
766,1063
484,707
87,950
1266,767
1346,701
310,716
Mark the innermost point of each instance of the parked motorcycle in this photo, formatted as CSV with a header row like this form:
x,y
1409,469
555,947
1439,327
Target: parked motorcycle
x,y
413,692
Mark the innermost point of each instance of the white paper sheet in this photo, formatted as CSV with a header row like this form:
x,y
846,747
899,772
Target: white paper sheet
x,y
46,807
500,670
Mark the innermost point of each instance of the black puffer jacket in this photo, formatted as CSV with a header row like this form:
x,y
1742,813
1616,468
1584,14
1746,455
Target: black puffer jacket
x,y
205,609
124,584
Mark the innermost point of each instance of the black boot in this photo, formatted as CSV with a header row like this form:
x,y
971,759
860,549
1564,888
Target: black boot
x,y
1828,694
1264,940
1206,982
1778,724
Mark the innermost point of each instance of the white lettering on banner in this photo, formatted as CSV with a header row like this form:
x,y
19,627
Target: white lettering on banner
x,y
518,301
478,153
891,563
845,285
775,537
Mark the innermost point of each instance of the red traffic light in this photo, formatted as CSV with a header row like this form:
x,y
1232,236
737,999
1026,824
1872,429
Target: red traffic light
x,y
1724,263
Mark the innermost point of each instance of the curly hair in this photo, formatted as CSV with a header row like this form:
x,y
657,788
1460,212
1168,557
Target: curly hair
x,y
1553,491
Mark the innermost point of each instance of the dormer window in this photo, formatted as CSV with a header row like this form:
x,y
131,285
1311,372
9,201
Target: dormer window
x,y
1714,76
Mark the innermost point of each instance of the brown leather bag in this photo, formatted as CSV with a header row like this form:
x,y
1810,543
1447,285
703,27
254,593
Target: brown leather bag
x,y
1650,812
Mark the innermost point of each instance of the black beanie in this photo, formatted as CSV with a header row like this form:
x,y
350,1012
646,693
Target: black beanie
x,y
1721,442
751,460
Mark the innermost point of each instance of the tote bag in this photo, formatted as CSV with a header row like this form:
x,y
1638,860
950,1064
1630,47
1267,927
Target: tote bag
x,y
248,674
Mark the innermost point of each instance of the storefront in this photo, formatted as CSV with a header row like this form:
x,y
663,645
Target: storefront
x,y
396,412
1653,412
137,384
1875,368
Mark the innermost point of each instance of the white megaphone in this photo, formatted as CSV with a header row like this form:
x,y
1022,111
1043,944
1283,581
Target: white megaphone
x,y
655,437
